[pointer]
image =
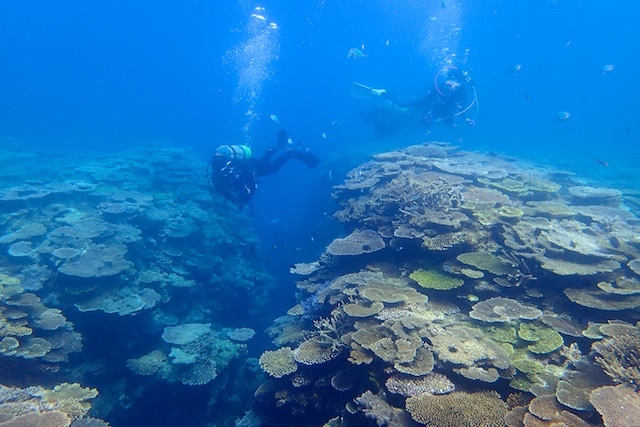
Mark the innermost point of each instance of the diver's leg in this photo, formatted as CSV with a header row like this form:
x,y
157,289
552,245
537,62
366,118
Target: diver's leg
x,y
281,141
269,167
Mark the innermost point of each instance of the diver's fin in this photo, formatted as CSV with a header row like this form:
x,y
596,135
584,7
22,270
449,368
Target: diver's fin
x,y
362,91
359,90
308,158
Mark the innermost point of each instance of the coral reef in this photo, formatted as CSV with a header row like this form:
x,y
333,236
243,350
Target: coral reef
x,y
487,275
133,242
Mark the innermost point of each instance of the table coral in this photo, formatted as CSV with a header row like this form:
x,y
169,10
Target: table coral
x,y
545,339
503,310
486,261
619,405
433,279
482,409
357,243
278,363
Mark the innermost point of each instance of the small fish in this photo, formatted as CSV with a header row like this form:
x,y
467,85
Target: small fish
x,y
335,123
330,174
273,25
356,53
514,70
562,115
290,141
259,17
274,118
602,162
259,9
324,135
387,43
607,68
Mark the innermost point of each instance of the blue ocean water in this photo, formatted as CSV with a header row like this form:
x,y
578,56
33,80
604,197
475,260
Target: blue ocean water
x,y
82,78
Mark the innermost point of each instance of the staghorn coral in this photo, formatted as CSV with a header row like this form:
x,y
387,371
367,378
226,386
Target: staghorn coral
x,y
619,355
481,409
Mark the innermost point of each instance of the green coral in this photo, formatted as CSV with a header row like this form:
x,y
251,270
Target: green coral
x,y
502,334
6,280
524,383
9,286
527,365
486,261
432,279
545,340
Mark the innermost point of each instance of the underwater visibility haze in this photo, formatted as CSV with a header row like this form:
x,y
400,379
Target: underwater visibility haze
x,y
320,213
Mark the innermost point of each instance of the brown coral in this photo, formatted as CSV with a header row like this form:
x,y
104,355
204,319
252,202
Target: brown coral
x,y
482,409
619,405
433,383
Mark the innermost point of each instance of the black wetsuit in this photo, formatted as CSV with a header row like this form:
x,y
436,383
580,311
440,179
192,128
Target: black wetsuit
x,y
237,178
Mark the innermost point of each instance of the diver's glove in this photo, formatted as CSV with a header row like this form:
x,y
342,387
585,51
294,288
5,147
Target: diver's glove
x,y
378,92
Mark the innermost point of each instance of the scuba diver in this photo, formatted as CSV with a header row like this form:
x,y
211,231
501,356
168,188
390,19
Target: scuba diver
x,y
234,173
452,97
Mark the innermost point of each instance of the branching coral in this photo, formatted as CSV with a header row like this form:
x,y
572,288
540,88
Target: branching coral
x,y
619,356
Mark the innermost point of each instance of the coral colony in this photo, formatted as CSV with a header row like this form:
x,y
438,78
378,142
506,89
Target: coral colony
x,y
464,275
467,290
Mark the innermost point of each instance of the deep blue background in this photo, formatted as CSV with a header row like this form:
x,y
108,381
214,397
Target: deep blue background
x,y
103,76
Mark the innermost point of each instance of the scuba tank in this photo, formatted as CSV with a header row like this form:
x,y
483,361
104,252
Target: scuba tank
x,y
234,151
